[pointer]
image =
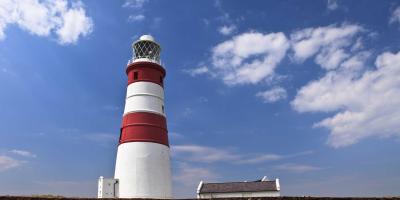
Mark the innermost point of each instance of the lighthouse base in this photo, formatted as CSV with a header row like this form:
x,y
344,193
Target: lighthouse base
x,y
143,170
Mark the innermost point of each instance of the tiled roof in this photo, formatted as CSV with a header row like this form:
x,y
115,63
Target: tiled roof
x,y
256,186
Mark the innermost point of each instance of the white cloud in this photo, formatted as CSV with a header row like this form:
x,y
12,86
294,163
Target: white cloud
x,y
296,168
260,159
103,139
358,45
190,175
202,99
217,3
197,71
75,24
395,17
156,22
330,44
187,177
97,138
248,58
111,107
204,154
273,95
176,135
356,62
137,4
136,18
187,112
332,5
331,58
227,30
8,163
23,153
365,104
44,18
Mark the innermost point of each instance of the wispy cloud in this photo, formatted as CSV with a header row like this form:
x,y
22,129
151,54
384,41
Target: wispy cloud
x,y
187,112
104,139
134,3
204,154
187,176
110,107
197,71
7,163
332,4
395,17
202,99
273,95
23,153
136,18
137,7
99,138
9,72
297,168
227,29
175,135
190,175
223,16
156,23
261,159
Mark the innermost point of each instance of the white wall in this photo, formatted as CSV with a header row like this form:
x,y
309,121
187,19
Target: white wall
x,y
143,170
107,188
144,97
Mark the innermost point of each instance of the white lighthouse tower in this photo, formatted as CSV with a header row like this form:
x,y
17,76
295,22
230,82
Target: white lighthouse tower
x,y
142,167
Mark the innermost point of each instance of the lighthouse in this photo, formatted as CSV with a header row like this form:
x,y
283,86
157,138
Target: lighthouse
x,y
142,168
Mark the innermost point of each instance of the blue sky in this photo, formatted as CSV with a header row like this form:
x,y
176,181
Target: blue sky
x,y
304,91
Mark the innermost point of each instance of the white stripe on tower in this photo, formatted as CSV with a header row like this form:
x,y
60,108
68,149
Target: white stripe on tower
x,y
145,97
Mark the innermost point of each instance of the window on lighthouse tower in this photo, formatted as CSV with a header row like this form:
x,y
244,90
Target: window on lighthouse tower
x,y
135,75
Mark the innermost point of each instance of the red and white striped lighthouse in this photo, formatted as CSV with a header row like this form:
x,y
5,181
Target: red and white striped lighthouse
x,y
143,159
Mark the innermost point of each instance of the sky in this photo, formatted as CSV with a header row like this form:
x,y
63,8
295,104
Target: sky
x,y
304,91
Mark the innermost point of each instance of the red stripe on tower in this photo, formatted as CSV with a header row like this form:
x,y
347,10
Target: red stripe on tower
x,y
144,127
145,71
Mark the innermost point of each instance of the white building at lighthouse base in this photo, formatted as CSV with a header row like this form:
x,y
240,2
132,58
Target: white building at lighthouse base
x,y
107,188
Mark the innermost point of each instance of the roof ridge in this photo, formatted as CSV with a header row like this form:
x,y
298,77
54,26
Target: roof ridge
x,y
241,182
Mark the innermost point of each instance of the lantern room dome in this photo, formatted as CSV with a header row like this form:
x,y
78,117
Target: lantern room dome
x,y
147,37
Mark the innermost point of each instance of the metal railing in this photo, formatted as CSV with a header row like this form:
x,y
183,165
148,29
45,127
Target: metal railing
x,y
130,61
